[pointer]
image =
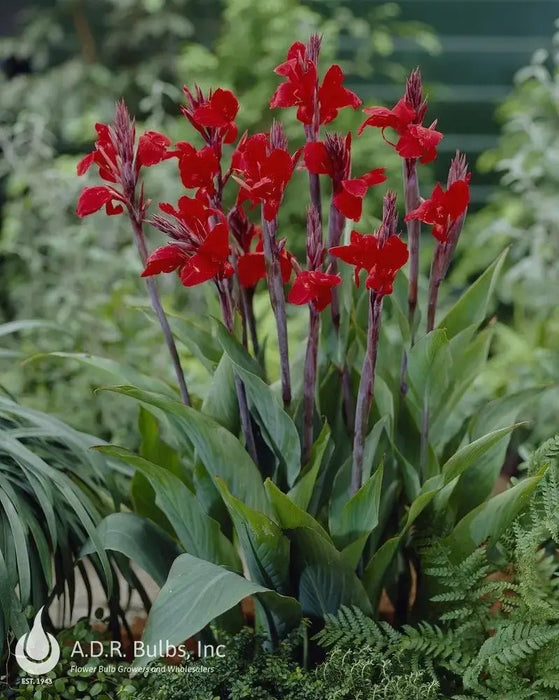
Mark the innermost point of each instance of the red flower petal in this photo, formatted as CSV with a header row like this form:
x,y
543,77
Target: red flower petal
x,y
152,148
375,177
286,266
85,163
419,142
92,199
457,198
397,118
333,96
165,259
317,159
216,244
350,205
284,96
198,269
313,286
252,268
113,210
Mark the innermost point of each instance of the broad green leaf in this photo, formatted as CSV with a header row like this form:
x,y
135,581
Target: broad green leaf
x,y
289,515
372,443
467,362
375,571
473,304
155,450
266,552
239,356
427,364
221,452
477,485
469,455
490,519
198,340
277,427
195,593
138,539
359,516
220,402
199,534
352,553
265,547
418,506
326,581
276,614
302,491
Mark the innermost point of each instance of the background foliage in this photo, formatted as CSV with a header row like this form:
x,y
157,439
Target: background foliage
x,y
83,56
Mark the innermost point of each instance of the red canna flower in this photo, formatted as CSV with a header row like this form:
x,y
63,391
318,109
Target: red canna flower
x,y
391,257
405,118
382,261
349,199
313,287
419,142
119,161
252,265
200,250
397,118
104,156
332,158
443,209
197,168
329,157
213,116
192,216
265,173
301,88
210,260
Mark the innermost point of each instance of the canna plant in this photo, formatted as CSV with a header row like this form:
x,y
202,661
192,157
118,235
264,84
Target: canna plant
x,y
304,490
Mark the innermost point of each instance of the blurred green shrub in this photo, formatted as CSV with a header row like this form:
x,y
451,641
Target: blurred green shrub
x,y
524,213
84,55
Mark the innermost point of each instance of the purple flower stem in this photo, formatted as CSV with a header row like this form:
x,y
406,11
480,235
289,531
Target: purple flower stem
x,y
248,305
277,300
246,425
366,390
309,383
412,200
336,222
158,309
411,193
435,279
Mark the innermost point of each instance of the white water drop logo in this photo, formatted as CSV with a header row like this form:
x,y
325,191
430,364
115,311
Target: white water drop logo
x,y
37,652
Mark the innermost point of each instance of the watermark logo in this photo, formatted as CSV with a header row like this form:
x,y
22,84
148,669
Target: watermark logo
x,y
37,652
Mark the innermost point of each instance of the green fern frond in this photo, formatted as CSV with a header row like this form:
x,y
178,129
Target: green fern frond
x,y
513,642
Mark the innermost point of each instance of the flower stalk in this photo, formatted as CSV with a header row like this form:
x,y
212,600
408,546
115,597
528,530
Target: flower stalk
x,y
151,284
450,209
366,390
382,255
226,303
126,166
315,257
277,302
